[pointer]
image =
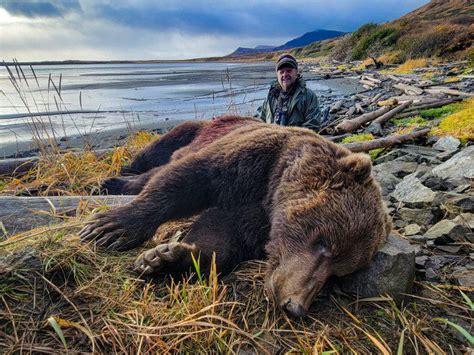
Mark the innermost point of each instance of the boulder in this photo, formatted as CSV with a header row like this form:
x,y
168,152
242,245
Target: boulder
x,y
460,204
447,230
447,144
421,216
392,272
396,167
387,181
412,229
459,167
411,191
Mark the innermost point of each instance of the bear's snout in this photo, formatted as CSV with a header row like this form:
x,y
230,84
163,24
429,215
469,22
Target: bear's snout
x,y
293,309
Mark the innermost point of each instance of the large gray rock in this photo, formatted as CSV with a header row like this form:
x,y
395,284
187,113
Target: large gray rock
x,y
392,271
421,216
447,230
411,191
396,167
447,144
460,204
387,181
460,166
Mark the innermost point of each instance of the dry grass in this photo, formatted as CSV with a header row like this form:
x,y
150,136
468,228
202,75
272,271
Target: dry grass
x,y
409,65
75,173
57,294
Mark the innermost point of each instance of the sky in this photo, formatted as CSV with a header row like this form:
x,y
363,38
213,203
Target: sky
x,y
173,29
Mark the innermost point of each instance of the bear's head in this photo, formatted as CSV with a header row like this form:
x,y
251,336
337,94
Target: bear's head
x,y
328,219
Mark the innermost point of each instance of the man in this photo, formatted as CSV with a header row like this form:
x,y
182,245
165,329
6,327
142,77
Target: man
x,y
289,102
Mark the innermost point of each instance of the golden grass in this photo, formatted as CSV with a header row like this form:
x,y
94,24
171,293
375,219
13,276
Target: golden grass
x,y
56,292
459,124
75,173
410,64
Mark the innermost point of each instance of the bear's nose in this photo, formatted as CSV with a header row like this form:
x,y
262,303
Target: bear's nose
x,y
294,309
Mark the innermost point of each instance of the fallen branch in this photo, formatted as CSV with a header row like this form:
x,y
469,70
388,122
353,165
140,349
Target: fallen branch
x,y
448,91
409,89
351,125
385,117
384,142
336,107
15,167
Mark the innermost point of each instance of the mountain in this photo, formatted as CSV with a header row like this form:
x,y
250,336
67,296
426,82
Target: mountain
x,y
310,37
249,51
440,28
303,40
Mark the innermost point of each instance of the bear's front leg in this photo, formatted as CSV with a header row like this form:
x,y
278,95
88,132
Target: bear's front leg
x,y
178,190
122,228
166,258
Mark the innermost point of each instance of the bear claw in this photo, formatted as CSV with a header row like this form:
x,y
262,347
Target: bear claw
x,y
155,259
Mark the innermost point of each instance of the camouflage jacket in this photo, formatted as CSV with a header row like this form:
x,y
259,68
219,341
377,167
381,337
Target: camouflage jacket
x,y
303,107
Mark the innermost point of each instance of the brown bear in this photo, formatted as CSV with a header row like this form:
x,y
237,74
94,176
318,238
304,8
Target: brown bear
x,y
309,206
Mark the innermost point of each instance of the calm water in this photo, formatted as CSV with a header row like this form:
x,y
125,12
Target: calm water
x,y
128,94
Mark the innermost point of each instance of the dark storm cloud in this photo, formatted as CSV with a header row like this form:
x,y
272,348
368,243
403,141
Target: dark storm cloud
x,y
250,17
33,8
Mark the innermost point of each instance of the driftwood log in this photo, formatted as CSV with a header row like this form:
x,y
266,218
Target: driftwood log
x,y
15,167
384,142
409,89
376,125
19,214
351,125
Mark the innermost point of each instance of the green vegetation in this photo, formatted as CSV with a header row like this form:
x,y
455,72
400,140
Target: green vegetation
x,y
433,113
363,137
459,124
372,40
409,121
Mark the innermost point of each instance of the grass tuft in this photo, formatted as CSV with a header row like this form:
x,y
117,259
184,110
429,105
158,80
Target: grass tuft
x,y
459,124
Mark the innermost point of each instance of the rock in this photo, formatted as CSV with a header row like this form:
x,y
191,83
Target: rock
x,y
411,191
392,271
447,144
464,277
417,238
452,249
420,261
399,224
412,229
460,204
392,155
447,230
421,216
387,181
460,166
466,219
396,167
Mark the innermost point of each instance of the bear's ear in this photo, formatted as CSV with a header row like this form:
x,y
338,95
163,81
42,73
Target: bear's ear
x,y
358,166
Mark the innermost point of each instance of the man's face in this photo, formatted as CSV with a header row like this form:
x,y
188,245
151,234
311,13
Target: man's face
x,y
287,77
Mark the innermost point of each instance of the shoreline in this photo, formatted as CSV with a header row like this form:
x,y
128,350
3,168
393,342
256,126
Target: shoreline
x,y
105,139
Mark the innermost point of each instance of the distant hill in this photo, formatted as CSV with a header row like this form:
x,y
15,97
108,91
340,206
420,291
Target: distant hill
x,y
310,37
441,28
303,40
248,51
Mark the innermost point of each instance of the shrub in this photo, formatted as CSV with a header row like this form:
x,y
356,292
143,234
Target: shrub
x,y
374,42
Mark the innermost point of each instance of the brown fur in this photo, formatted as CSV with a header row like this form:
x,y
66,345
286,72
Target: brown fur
x,y
310,206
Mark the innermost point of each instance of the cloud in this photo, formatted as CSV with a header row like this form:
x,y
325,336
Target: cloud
x,y
38,8
165,29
